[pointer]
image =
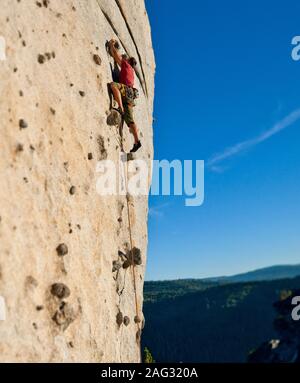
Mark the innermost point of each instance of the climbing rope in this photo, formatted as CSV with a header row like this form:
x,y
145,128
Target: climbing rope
x,y
131,248
125,172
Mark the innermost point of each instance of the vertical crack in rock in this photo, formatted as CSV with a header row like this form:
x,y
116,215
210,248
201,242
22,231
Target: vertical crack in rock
x,y
135,44
142,81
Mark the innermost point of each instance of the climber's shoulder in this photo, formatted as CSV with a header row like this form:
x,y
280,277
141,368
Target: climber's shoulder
x,y
125,63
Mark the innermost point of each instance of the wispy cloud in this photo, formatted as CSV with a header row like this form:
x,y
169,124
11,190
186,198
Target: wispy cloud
x,y
158,210
215,161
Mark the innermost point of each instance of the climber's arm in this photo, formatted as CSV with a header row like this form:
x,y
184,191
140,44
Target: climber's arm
x,y
115,54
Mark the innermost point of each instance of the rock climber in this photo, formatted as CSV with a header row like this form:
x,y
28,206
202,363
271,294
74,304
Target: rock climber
x,y
124,91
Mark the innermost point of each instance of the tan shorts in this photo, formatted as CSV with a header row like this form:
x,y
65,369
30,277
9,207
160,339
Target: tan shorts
x,y
128,108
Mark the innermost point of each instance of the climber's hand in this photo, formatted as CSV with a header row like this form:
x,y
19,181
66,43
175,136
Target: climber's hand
x,y
115,54
112,43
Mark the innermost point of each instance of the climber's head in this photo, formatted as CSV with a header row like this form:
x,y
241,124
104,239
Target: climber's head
x,y
132,62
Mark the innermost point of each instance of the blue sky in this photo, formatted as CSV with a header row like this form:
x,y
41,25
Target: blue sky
x,y
227,92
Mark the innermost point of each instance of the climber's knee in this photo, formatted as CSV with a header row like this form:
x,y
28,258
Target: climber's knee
x,y
117,86
128,116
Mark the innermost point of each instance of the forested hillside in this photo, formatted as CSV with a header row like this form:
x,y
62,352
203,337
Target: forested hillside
x,y
221,323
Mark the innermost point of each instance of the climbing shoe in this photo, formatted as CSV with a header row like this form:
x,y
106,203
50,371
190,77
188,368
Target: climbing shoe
x,y
136,147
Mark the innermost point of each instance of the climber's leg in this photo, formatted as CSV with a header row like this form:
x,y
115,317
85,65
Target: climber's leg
x,y
129,119
134,131
115,87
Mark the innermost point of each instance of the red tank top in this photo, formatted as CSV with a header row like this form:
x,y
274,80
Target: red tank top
x,y
127,74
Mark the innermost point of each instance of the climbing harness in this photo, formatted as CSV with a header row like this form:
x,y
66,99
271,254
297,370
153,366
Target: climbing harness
x,y
131,94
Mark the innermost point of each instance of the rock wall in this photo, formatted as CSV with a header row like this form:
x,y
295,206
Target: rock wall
x,y
62,281
286,348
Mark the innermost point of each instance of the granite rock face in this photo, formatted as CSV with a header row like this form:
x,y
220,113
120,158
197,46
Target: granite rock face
x,y
59,239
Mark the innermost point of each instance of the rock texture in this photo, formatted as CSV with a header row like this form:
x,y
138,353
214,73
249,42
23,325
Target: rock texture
x,y
62,284
286,348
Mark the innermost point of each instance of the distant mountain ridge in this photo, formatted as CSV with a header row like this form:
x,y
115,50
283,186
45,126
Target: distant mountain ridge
x,y
271,273
158,290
